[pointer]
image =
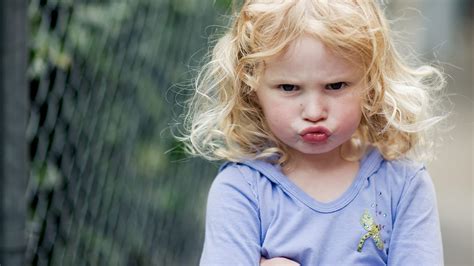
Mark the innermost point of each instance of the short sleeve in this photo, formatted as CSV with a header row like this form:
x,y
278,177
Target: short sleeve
x,y
416,235
232,233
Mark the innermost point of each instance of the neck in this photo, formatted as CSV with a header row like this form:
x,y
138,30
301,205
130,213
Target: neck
x,y
316,162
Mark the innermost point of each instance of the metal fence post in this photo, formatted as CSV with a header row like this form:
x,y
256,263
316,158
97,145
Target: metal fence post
x,y
13,121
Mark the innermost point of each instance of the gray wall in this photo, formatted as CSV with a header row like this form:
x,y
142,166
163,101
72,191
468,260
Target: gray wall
x,y
443,30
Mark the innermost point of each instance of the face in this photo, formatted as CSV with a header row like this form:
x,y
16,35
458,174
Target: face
x,y
311,98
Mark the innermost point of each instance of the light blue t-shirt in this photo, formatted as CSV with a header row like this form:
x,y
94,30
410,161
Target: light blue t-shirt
x,y
255,211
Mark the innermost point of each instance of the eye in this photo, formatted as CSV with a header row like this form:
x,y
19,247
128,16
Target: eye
x,y
336,86
288,87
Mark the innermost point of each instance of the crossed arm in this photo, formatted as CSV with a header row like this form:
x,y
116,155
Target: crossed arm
x,y
278,261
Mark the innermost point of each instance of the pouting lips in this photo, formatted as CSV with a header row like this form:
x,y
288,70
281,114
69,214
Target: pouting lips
x,y
315,134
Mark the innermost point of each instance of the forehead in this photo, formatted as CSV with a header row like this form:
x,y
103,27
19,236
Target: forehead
x,y
307,55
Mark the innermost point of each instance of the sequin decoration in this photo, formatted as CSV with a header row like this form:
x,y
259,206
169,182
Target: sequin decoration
x,y
373,231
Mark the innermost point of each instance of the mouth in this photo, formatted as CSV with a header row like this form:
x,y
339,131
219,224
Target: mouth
x,y
316,134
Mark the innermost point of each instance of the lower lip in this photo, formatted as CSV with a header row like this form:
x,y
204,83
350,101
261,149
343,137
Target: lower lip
x,y
315,137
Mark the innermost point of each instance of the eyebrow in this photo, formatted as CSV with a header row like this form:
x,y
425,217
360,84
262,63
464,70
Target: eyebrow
x,y
349,77
282,80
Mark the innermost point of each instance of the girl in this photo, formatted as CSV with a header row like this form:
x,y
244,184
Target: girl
x,y
319,119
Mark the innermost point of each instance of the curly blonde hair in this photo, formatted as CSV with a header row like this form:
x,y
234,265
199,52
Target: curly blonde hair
x,y
224,120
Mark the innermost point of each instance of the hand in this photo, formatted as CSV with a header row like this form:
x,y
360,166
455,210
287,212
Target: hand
x,y
278,261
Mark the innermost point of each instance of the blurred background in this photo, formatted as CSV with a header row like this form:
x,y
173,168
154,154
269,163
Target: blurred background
x,y
89,91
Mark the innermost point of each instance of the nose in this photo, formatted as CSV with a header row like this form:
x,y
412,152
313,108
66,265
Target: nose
x,y
314,108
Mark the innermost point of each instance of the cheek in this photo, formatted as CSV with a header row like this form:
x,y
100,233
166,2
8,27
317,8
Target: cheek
x,y
274,117
279,117
352,113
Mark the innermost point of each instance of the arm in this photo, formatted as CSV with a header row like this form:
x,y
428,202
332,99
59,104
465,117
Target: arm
x,y
232,233
416,236
279,261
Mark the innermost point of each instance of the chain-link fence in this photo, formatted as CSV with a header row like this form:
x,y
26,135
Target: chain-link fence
x,y
107,185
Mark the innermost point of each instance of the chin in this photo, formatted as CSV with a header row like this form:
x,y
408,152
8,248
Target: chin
x,y
317,149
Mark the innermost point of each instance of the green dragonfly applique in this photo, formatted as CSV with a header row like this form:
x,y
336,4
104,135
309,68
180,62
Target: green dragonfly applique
x,y
373,231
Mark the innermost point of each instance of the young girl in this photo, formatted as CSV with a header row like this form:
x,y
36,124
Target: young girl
x,y
319,119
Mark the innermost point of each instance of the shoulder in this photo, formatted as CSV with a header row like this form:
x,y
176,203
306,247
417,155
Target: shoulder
x,y
394,174
406,179
402,168
235,181
402,171
237,174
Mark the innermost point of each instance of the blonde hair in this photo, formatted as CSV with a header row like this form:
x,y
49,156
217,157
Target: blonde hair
x,y
224,120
